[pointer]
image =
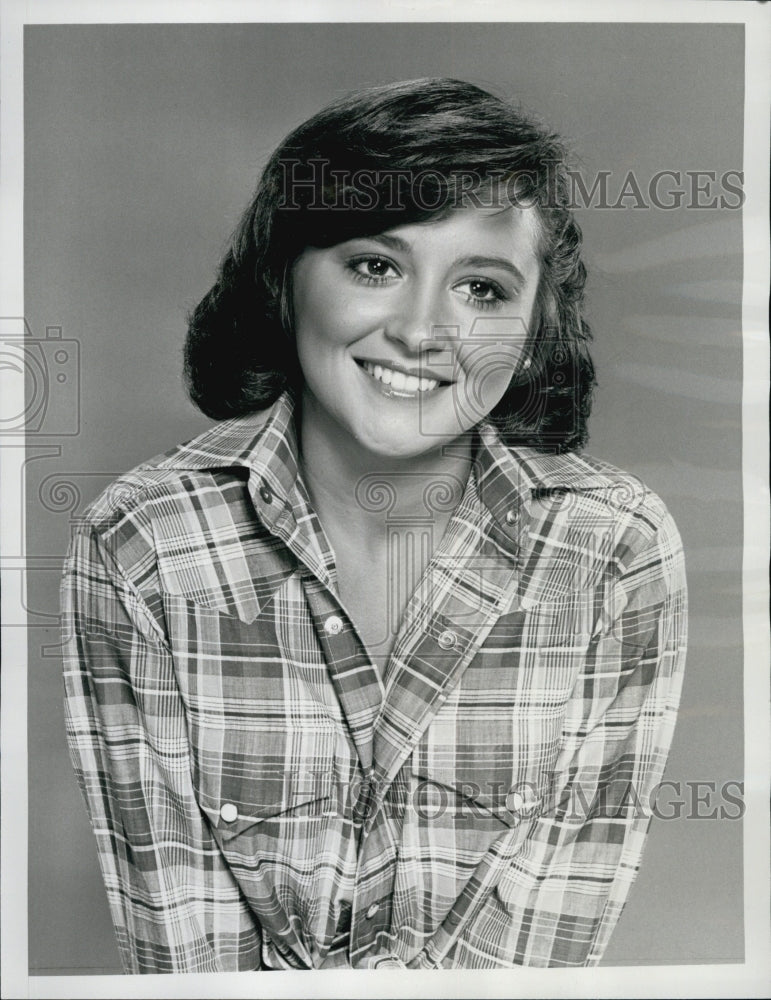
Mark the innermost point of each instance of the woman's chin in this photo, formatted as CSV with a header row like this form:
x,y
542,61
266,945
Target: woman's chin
x,y
407,446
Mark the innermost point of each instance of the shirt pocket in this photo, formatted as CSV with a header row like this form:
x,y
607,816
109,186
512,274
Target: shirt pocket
x,y
288,800
264,746
472,805
500,728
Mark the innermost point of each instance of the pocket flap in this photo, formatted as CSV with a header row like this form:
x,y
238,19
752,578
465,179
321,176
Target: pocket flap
x,y
510,805
283,795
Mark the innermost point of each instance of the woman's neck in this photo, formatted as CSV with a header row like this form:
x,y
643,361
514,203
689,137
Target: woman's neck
x,y
352,487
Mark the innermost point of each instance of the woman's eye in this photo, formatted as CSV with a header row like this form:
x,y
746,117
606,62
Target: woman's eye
x,y
480,292
373,269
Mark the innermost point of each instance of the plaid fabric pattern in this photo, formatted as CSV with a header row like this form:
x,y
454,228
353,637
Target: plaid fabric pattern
x,y
263,798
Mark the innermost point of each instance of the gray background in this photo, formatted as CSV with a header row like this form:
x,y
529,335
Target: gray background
x,y
142,146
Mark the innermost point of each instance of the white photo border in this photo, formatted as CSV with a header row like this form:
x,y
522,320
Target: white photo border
x,y
749,978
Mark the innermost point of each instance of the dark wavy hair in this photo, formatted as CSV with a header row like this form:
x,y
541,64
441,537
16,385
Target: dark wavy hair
x,y
402,153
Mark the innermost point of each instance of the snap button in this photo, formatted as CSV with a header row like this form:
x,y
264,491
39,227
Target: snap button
x,y
228,813
514,802
372,911
511,515
266,493
447,639
518,803
333,625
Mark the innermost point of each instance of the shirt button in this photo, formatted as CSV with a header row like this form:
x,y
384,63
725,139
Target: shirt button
x,y
228,813
518,803
266,493
372,911
511,515
447,639
515,802
333,625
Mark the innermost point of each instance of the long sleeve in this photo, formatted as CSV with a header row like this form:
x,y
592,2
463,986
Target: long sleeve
x,y
559,898
174,903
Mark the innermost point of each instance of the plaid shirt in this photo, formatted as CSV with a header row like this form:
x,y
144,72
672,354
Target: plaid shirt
x,y
262,798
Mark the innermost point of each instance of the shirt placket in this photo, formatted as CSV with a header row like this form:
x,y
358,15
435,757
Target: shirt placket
x,y
372,905
352,673
359,690
353,676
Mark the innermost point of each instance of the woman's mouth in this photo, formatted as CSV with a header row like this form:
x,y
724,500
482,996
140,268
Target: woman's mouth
x,y
399,384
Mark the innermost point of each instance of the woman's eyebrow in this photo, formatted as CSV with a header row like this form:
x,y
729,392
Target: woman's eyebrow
x,y
392,242
482,261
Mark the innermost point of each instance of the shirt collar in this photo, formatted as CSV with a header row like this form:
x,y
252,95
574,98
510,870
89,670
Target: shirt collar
x,y
266,444
263,442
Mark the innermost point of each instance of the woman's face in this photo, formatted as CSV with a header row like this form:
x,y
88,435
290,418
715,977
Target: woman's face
x,y
408,338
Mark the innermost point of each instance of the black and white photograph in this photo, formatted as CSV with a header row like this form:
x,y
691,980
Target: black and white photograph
x,y
385,500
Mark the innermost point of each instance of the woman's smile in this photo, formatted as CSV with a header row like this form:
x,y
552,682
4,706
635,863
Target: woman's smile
x,y
395,383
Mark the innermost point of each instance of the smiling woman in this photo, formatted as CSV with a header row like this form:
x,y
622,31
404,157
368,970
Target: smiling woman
x,y
379,670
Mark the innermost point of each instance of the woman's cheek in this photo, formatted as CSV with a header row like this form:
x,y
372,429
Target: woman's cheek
x,y
487,368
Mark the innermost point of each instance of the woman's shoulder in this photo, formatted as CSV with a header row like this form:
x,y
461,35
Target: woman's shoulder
x,y
619,488
176,480
580,486
184,523
600,491
587,522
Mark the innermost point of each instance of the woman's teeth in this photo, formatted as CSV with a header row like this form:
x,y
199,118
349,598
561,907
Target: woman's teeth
x,y
398,380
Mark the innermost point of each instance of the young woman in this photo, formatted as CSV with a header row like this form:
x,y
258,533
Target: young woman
x,y
379,670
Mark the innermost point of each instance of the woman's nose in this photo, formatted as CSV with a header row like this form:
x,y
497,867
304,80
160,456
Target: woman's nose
x,y
419,323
